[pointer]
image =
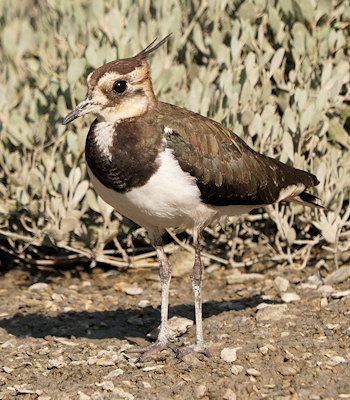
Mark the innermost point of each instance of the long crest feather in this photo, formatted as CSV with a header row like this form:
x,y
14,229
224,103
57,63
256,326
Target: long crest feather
x,y
149,49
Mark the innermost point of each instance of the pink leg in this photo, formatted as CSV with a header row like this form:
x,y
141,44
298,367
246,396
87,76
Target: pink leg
x,y
163,340
196,278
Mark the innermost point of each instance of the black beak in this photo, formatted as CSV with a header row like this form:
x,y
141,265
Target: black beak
x,y
80,109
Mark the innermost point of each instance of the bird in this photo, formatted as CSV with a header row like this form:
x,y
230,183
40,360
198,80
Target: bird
x,y
163,167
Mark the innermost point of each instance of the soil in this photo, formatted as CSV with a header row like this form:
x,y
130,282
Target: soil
x,y
63,338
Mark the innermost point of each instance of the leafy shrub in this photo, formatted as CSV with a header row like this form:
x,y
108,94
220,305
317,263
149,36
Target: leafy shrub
x,y
275,71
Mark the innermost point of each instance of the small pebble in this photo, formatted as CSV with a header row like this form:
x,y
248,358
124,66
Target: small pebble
x,y
106,385
146,385
56,363
103,362
312,282
290,297
83,396
144,303
281,284
119,393
39,286
199,391
241,278
324,302
133,290
236,369
9,343
23,389
192,359
286,370
229,395
177,327
264,350
253,372
337,360
229,355
332,326
212,268
325,289
338,276
340,294
147,369
58,297
272,312
114,373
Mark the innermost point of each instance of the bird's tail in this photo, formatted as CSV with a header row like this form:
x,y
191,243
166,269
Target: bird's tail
x,y
307,199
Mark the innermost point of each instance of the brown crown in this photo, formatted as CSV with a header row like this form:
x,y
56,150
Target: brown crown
x,y
126,65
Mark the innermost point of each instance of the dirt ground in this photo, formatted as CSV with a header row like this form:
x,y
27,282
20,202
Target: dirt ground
x,y
62,332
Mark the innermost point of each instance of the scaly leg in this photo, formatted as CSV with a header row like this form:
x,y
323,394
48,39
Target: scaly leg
x,y
196,278
163,340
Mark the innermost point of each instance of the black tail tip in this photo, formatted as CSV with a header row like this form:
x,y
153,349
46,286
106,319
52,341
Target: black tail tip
x,y
311,200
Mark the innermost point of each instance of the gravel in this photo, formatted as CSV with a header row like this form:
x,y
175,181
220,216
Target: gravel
x,y
63,338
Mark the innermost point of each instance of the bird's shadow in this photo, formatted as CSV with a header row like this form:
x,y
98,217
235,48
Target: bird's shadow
x,y
122,323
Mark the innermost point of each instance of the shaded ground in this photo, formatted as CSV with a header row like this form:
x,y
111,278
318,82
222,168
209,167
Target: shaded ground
x,y
62,340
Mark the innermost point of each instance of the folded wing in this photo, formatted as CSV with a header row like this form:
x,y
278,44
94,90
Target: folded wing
x,y
226,169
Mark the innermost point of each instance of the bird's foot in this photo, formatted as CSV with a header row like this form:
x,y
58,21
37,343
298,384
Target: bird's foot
x,y
147,351
195,348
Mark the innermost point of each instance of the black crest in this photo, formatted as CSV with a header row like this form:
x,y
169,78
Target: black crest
x,y
149,49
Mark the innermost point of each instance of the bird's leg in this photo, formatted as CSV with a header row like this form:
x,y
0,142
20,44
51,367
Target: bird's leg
x,y
163,340
196,279
165,277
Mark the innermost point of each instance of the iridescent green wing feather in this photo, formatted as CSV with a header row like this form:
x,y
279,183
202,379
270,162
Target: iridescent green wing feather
x,y
227,170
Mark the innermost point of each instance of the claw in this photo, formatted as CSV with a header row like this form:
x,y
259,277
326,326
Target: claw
x,y
194,349
147,351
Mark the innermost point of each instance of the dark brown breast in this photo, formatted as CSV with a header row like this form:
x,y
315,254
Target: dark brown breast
x,y
132,157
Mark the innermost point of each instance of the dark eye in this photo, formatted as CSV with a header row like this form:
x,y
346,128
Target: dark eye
x,y
119,86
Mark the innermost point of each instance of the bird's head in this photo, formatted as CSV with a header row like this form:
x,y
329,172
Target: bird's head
x,y
119,89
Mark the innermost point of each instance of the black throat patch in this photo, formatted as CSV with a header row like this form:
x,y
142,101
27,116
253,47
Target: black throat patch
x,y
131,158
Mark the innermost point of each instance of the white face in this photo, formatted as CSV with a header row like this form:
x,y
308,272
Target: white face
x,y
116,96
113,96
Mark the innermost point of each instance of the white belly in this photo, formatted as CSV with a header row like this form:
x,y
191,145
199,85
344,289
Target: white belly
x,y
170,198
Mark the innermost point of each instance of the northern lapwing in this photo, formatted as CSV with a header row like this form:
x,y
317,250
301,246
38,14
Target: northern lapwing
x,y
166,167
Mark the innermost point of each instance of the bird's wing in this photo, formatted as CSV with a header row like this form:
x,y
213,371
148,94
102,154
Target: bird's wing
x,y
226,169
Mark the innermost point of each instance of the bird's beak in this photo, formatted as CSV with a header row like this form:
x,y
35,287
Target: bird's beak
x,y
82,108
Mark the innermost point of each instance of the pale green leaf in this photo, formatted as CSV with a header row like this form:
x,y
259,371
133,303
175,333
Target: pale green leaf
x,y
76,69
276,61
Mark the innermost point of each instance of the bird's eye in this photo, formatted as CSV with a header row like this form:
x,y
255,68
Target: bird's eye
x,y
119,86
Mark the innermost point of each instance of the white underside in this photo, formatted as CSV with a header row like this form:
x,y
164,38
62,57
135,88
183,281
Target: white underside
x,y
170,198
290,192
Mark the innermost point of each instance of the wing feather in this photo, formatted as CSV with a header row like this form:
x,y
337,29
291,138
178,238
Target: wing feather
x,y
226,169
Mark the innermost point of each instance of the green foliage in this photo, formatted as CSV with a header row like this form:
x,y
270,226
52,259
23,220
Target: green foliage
x,y
275,71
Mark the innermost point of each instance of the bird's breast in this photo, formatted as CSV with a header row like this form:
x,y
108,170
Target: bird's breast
x,y
170,198
119,157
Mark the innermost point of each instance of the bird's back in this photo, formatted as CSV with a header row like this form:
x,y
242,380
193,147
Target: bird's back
x,y
226,169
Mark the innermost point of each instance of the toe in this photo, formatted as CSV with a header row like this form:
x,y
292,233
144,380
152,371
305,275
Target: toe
x,y
147,351
195,349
